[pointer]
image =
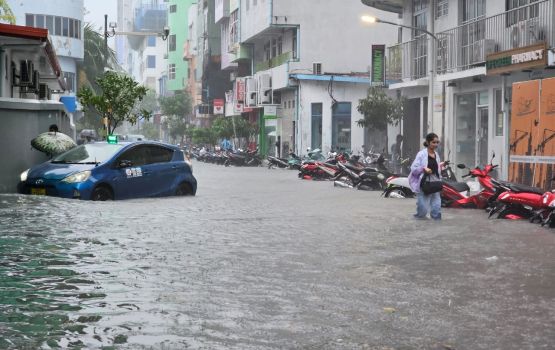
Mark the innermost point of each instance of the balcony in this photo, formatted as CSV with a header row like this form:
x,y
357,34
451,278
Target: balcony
x,y
408,61
468,45
274,62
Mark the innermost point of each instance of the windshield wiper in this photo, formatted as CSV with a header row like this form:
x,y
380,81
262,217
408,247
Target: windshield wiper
x,y
87,163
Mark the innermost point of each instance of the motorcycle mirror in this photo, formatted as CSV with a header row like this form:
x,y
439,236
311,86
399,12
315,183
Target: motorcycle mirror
x,y
461,166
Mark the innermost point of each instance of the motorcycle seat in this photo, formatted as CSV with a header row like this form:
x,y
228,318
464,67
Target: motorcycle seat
x,y
525,188
352,167
457,186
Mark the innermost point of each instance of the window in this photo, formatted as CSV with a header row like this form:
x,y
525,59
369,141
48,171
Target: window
x,y
151,61
173,8
69,80
151,41
65,26
77,25
498,113
341,126
442,8
280,46
274,48
39,21
159,155
172,43
473,9
50,24
137,156
525,12
316,125
30,20
58,26
233,27
267,53
71,28
294,43
171,70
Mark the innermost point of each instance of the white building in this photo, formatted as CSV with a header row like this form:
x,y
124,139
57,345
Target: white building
x,y
308,59
64,21
469,104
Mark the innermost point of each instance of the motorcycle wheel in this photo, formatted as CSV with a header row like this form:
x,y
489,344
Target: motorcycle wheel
x,y
514,213
397,192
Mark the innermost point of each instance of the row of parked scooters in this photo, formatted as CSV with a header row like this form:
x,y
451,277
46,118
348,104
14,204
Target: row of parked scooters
x,y
501,199
228,157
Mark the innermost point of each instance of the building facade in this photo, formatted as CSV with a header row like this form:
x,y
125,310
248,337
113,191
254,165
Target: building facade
x,y
464,79
178,68
298,76
64,21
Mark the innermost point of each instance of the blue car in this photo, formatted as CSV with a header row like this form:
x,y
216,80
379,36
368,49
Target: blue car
x,y
105,171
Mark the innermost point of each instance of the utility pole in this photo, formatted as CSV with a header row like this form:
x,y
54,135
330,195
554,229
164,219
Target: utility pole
x,y
106,32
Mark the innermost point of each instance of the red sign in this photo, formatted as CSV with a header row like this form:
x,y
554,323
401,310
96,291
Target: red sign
x,y
218,106
240,90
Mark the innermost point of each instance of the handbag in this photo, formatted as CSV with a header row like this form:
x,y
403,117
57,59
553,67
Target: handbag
x,y
429,187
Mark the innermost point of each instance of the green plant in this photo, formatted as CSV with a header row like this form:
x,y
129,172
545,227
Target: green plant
x,y
379,110
117,101
6,14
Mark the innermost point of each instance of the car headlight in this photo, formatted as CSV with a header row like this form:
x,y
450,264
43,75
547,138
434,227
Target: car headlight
x,y
23,176
78,177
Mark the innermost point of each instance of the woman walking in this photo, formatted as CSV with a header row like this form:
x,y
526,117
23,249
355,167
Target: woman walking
x,y
426,168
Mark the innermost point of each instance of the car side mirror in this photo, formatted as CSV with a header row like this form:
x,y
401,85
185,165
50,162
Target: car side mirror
x,y
461,166
125,163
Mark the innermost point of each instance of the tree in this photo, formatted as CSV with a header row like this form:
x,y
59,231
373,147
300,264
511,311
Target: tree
x,y
379,110
117,101
178,108
223,127
150,131
6,14
97,58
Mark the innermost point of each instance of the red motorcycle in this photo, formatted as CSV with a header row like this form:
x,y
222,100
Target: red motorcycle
x,y
517,201
317,170
455,194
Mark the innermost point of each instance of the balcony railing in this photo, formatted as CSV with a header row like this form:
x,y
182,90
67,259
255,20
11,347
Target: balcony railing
x,y
408,60
274,62
468,45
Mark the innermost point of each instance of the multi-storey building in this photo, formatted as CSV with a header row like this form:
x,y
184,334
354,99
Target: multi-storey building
x,y
64,21
301,68
190,54
143,56
178,68
460,77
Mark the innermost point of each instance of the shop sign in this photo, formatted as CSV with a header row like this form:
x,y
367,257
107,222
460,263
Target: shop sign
x,y
218,106
378,65
523,58
240,90
270,112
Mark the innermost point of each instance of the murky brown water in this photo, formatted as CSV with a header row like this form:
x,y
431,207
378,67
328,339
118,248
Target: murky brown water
x,y
262,260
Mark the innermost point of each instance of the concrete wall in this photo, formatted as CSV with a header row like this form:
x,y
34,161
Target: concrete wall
x,y
317,92
23,120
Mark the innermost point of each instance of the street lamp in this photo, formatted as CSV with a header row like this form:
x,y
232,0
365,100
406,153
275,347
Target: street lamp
x,y
372,20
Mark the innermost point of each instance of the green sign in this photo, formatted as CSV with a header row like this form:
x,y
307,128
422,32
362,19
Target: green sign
x,y
499,62
112,139
377,75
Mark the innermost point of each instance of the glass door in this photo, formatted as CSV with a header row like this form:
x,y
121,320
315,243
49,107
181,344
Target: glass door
x,y
482,136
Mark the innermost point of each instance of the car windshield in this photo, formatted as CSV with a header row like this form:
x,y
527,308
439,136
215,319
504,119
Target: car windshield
x,y
91,153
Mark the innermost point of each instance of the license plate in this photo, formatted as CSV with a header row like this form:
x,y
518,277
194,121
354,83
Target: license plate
x,y
38,191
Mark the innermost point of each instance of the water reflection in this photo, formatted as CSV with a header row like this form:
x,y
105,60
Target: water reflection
x,y
41,287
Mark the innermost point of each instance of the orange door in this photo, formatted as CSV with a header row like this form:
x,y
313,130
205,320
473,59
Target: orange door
x,y
544,141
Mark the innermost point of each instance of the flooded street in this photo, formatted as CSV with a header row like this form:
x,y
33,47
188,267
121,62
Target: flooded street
x,y
262,260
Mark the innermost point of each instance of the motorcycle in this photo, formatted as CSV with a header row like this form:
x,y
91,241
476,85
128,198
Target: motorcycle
x,y
456,194
516,201
241,158
277,162
350,176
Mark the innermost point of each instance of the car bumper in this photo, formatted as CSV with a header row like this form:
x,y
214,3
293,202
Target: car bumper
x,y
81,190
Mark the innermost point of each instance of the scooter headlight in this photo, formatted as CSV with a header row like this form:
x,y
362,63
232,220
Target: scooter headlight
x,y
78,177
381,177
23,176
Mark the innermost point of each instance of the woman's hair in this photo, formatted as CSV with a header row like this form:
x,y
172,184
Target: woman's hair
x,y
429,138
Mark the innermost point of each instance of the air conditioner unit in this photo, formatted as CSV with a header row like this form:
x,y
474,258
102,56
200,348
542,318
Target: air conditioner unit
x,y
44,92
26,73
317,68
481,49
251,92
264,89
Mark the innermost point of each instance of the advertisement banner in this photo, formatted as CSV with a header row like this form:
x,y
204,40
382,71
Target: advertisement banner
x,y
218,106
240,90
377,75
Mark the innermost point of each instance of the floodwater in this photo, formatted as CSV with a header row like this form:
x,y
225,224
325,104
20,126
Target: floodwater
x,y
262,260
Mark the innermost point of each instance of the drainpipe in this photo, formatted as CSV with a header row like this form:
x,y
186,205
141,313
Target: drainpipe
x,y
506,131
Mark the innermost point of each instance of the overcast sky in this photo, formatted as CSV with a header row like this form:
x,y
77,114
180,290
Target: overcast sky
x,y
95,11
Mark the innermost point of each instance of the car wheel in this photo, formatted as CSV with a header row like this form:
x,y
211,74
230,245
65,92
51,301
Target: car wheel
x,y
102,193
184,189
